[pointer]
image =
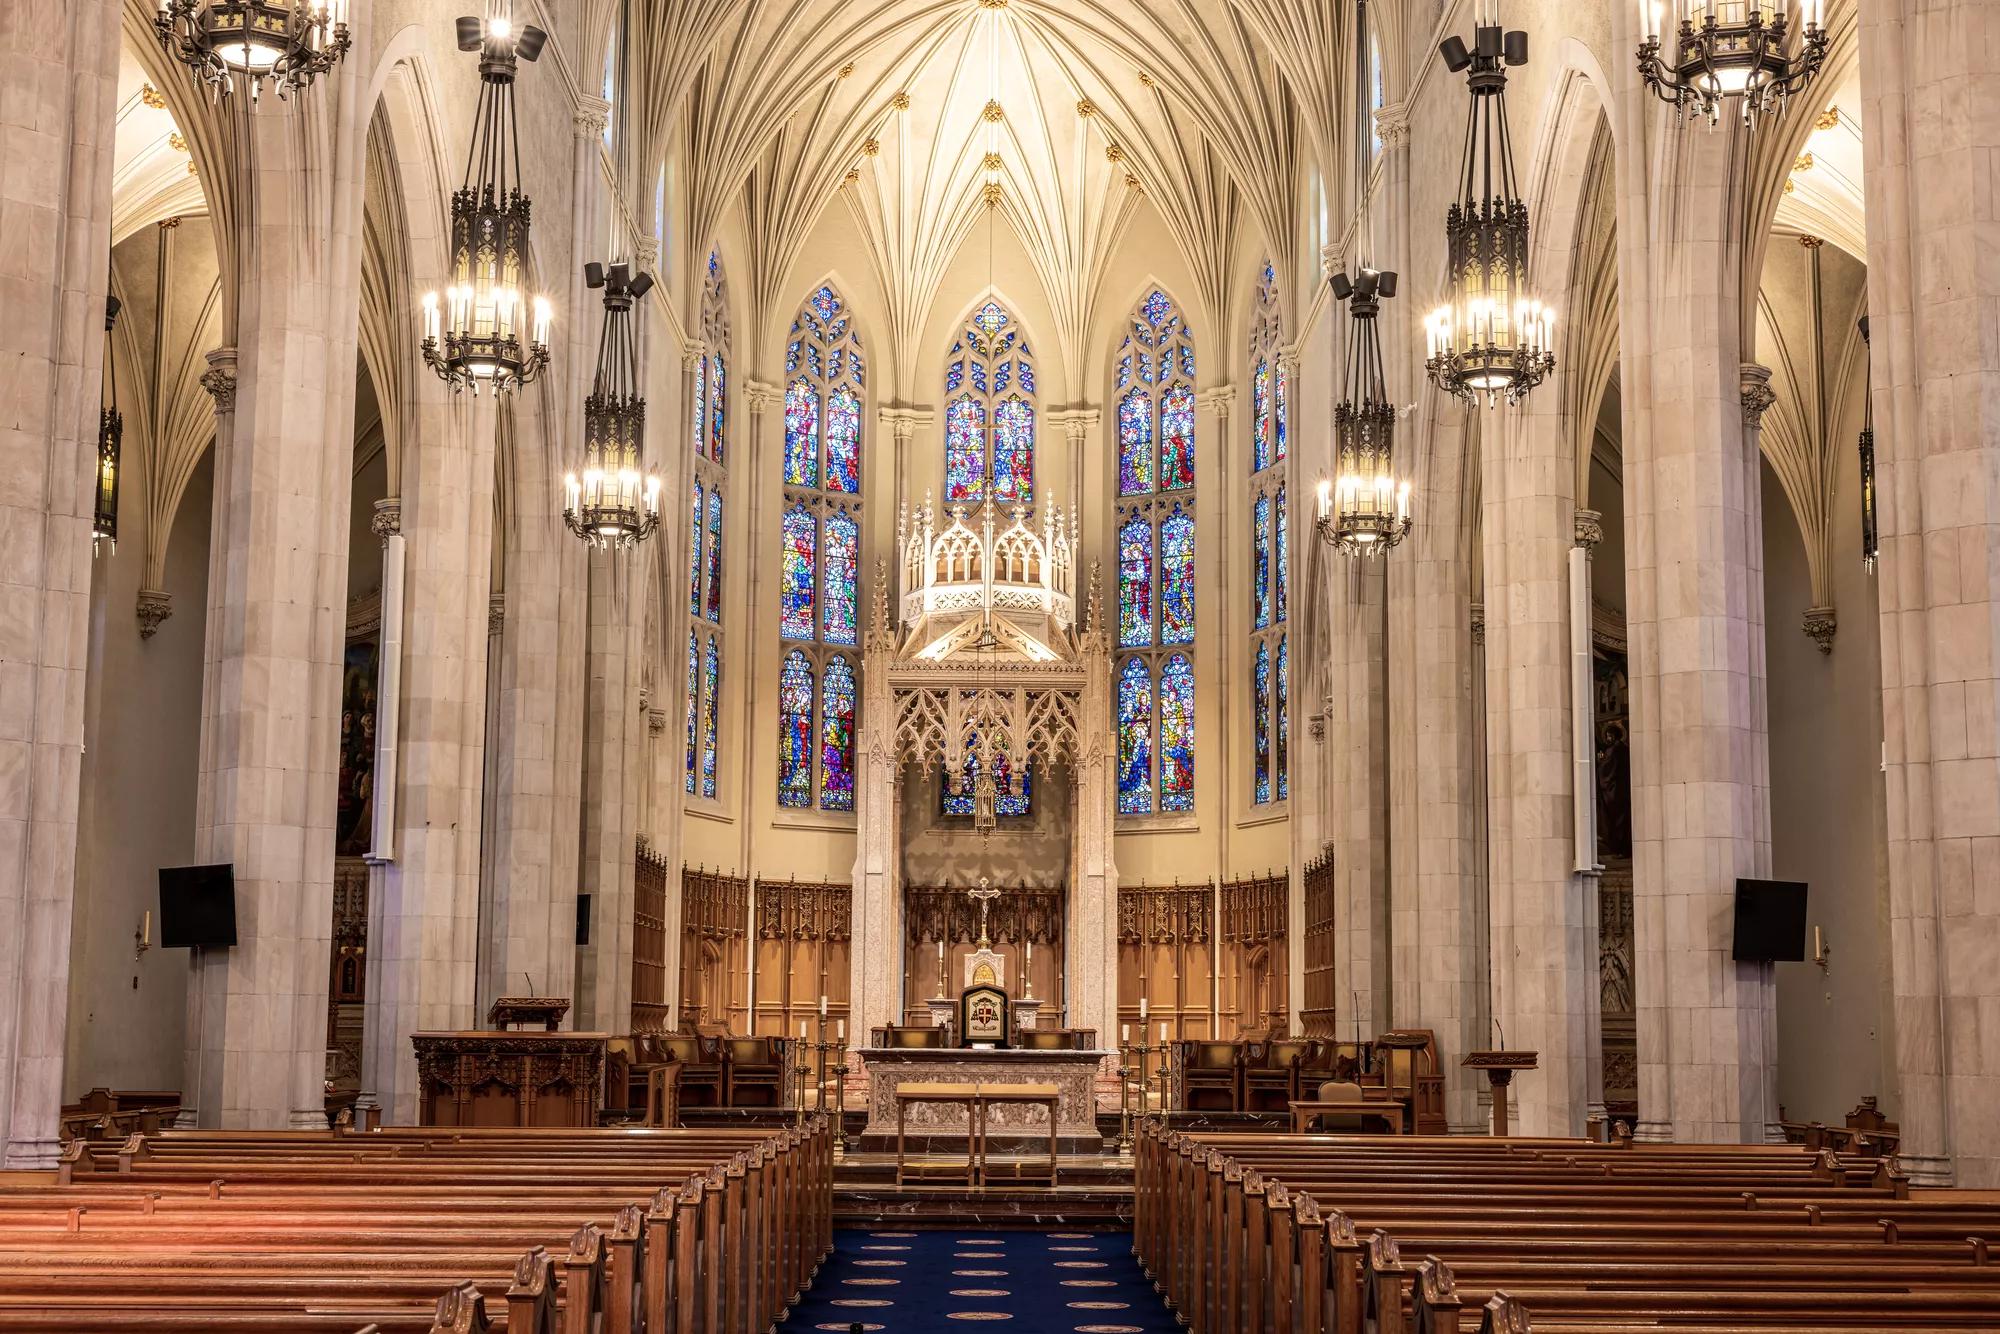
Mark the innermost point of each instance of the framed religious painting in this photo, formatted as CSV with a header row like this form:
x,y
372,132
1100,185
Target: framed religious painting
x,y
982,1016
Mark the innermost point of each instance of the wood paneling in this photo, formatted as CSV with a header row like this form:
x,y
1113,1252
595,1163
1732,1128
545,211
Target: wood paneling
x,y
715,954
1319,1011
803,935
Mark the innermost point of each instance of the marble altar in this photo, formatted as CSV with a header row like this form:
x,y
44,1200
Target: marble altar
x,y
1009,1128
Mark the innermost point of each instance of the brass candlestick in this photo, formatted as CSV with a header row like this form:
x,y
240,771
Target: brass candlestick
x,y
800,1071
1125,1098
840,1100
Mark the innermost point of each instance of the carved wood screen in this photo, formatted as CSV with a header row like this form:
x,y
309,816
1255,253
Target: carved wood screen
x,y
933,913
649,942
803,938
1166,957
715,955
347,982
1320,1010
1255,969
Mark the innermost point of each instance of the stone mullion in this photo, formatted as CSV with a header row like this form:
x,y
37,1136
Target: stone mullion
x,y
1212,622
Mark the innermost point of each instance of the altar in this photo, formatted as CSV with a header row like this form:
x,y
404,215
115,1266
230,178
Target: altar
x,y
943,1128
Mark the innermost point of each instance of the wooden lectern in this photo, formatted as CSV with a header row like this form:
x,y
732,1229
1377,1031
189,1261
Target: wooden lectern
x,y
1499,1067
522,1011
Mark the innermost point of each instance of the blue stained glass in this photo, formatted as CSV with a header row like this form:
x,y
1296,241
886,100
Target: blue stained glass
x,y
1014,452
1135,583
1003,375
1260,417
693,707
715,557
813,360
1270,274
990,318
1177,578
836,737
795,726
1284,557
1177,438
1135,444
856,365
1187,360
834,361
1284,718
1283,414
694,555
964,451
1146,367
1125,370
954,375
1135,739
701,406
1013,799
1260,563
801,434
979,376
1156,307
795,619
1260,708
718,411
711,680
843,441
1026,371
793,351
826,304
1177,734
838,600
714,262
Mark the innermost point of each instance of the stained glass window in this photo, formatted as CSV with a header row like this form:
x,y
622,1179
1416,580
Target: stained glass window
x,y
1135,583
843,440
1177,438
701,406
795,620
1282,413
715,557
795,729
801,434
989,428
1177,578
1283,557
1260,708
1014,795
836,762
1135,444
1284,718
693,707
837,590
711,684
1260,422
718,411
710,425
1135,738
1177,734
1260,563
694,555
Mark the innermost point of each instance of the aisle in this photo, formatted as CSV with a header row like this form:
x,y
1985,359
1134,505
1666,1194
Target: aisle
x,y
912,1282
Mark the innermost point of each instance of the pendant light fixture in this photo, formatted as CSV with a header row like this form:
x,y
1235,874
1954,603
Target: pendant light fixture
x,y
110,437
612,501
1698,54
482,332
1490,337
289,42
1364,508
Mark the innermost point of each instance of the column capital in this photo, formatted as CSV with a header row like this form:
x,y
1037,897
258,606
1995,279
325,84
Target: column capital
x,y
656,721
692,353
1819,623
591,117
154,607
1288,358
1331,261
496,613
388,517
1588,528
1758,396
1217,398
220,379
904,423
1479,623
761,395
1392,124
1076,423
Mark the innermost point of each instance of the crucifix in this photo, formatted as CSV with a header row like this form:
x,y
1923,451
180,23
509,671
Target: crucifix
x,y
983,895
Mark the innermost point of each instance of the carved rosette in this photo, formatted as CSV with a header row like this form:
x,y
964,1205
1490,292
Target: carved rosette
x,y
1820,623
155,605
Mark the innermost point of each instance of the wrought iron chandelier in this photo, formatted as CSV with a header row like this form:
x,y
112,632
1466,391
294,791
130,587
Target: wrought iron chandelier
x,y
1730,49
1364,509
289,42
110,437
1490,337
482,331
613,501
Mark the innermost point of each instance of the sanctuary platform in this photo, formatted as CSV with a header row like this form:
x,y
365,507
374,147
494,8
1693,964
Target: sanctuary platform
x,y
943,1128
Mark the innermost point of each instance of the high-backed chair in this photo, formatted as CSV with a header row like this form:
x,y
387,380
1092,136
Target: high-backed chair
x,y
700,1060
1211,1076
756,1071
1272,1081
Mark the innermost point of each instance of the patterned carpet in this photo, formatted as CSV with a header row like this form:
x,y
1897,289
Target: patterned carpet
x,y
915,1282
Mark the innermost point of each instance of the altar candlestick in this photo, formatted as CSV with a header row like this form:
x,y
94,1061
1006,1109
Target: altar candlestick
x,y
1142,1009
1125,1034
840,1029
1163,1032
822,1006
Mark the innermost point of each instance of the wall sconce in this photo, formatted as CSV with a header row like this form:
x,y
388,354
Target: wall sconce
x,y
142,939
1822,952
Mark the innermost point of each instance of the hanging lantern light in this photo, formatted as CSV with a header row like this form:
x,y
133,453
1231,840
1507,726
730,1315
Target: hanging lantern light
x,y
1364,509
1490,337
110,436
481,331
289,42
612,501
1724,50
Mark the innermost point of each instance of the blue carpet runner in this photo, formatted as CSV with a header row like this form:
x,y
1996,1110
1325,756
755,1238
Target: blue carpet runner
x,y
918,1282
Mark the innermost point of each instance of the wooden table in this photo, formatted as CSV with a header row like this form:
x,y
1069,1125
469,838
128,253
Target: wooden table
x,y
966,1095
1040,1095
1499,1067
1304,1112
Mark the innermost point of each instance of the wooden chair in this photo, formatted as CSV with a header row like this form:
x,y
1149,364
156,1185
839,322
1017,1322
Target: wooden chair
x,y
701,1068
1211,1076
1272,1078
756,1071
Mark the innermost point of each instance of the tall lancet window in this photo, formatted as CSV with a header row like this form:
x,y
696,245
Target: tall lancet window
x,y
989,415
1155,512
1270,549
708,425
819,614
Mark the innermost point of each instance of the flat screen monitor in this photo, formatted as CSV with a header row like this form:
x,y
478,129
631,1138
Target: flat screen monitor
x,y
197,906
1770,921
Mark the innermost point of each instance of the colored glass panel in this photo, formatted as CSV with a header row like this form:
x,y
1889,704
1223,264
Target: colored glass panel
x,y
1177,734
1284,556
1135,739
826,303
1260,563
1282,414
965,451
838,603
1260,709
701,405
795,725
843,441
1284,718
990,318
801,434
1177,578
1135,444
693,706
1177,438
1156,307
1135,583
800,538
1260,420
711,689
694,554
836,739
718,411
715,557
1014,452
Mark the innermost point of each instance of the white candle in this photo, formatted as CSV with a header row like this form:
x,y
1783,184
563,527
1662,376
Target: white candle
x,y
840,1029
1163,1032
802,1030
146,929
1124,1035
822,1007
1142,1009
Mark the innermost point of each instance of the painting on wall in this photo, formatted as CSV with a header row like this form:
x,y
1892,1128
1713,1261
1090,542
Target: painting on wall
x,y
354,818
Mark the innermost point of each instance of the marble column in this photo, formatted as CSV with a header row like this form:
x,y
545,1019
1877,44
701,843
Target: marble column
x,y
1588,527
59,64
613,728
876,948
1091,966
424,909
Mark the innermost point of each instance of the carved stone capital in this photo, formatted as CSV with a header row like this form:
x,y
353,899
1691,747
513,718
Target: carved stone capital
x,y
761,396
155,605
591,116
647,257
1331,261
496,613
902,424
656,721
1479,623
1392,125
1317,726
692,352
388,518
220,379
1820,623
1288,361
1589,529
1218,399
1077,423
1757,393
